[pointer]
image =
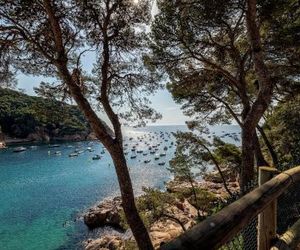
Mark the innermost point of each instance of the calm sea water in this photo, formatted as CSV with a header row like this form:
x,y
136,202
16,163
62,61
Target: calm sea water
x,y
43,194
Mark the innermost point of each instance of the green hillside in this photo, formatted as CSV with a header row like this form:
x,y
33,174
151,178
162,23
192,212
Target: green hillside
x,y
36,118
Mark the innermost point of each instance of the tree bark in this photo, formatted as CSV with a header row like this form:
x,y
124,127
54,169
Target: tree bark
x,y
252,117
269,146
247,170
259,157
134,220
113,143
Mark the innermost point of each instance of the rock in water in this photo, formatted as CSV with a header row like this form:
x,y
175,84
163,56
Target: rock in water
x,y
106,213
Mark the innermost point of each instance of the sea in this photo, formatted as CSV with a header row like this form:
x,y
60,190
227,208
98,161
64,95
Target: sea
x,y
44,194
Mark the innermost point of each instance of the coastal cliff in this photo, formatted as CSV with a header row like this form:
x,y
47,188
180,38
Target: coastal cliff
x,y
25,118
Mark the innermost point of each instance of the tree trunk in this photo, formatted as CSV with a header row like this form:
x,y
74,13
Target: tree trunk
x,y
176,220
116,151
247,171
133,219
195,196
269,146
259,157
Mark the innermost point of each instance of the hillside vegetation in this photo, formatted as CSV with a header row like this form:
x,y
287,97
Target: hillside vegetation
x,y
36,118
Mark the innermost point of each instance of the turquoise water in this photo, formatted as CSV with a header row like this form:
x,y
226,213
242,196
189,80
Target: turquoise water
x,y
43,195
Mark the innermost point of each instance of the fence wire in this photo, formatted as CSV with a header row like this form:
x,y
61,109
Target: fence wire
x,y
288,212
288,208
247,238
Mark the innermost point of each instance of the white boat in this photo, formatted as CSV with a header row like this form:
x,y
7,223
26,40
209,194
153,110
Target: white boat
x,y
57,153
147,161
54,146
96,157
73,155
19,149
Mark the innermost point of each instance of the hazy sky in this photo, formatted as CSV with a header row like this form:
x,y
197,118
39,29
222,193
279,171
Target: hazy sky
x,y
162,101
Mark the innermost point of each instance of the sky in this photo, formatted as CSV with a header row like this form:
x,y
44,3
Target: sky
x,y
162,100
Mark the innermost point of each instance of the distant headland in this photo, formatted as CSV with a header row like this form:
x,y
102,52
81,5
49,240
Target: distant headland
x,y
25,118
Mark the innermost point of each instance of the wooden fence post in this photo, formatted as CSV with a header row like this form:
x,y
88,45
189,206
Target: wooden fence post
x,y
267,219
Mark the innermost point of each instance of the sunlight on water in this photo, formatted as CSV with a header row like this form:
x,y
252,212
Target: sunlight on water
x,y
42,195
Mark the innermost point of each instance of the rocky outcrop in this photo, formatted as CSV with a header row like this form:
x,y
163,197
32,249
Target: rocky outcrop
x,y
215,176
106,213
166,229
2,142
161,231
180,214
107,242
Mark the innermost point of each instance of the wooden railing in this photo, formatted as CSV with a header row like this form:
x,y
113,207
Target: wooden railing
x,y
222,227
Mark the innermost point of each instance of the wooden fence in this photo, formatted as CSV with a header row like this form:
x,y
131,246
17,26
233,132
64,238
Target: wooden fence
x,y
222,227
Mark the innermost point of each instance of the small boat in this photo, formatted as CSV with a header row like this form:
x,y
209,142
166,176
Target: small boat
x,y
166,148
125,153
144,153
57,152
73,155
80,151
147,161
139,151
162,154
19,149
133,157
161,163
96,157
152,152
54,146
102,152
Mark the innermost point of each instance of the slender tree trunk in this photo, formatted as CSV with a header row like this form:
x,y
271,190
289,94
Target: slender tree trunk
x,y
133,219
269,146
176,220
247,171
259,157
195,196
116,151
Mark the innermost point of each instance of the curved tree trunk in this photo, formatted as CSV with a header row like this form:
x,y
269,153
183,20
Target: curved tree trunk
x,y
259,157
115,149
269,146
128,202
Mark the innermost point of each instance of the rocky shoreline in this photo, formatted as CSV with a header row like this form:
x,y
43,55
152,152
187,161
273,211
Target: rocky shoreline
x,y
110,213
